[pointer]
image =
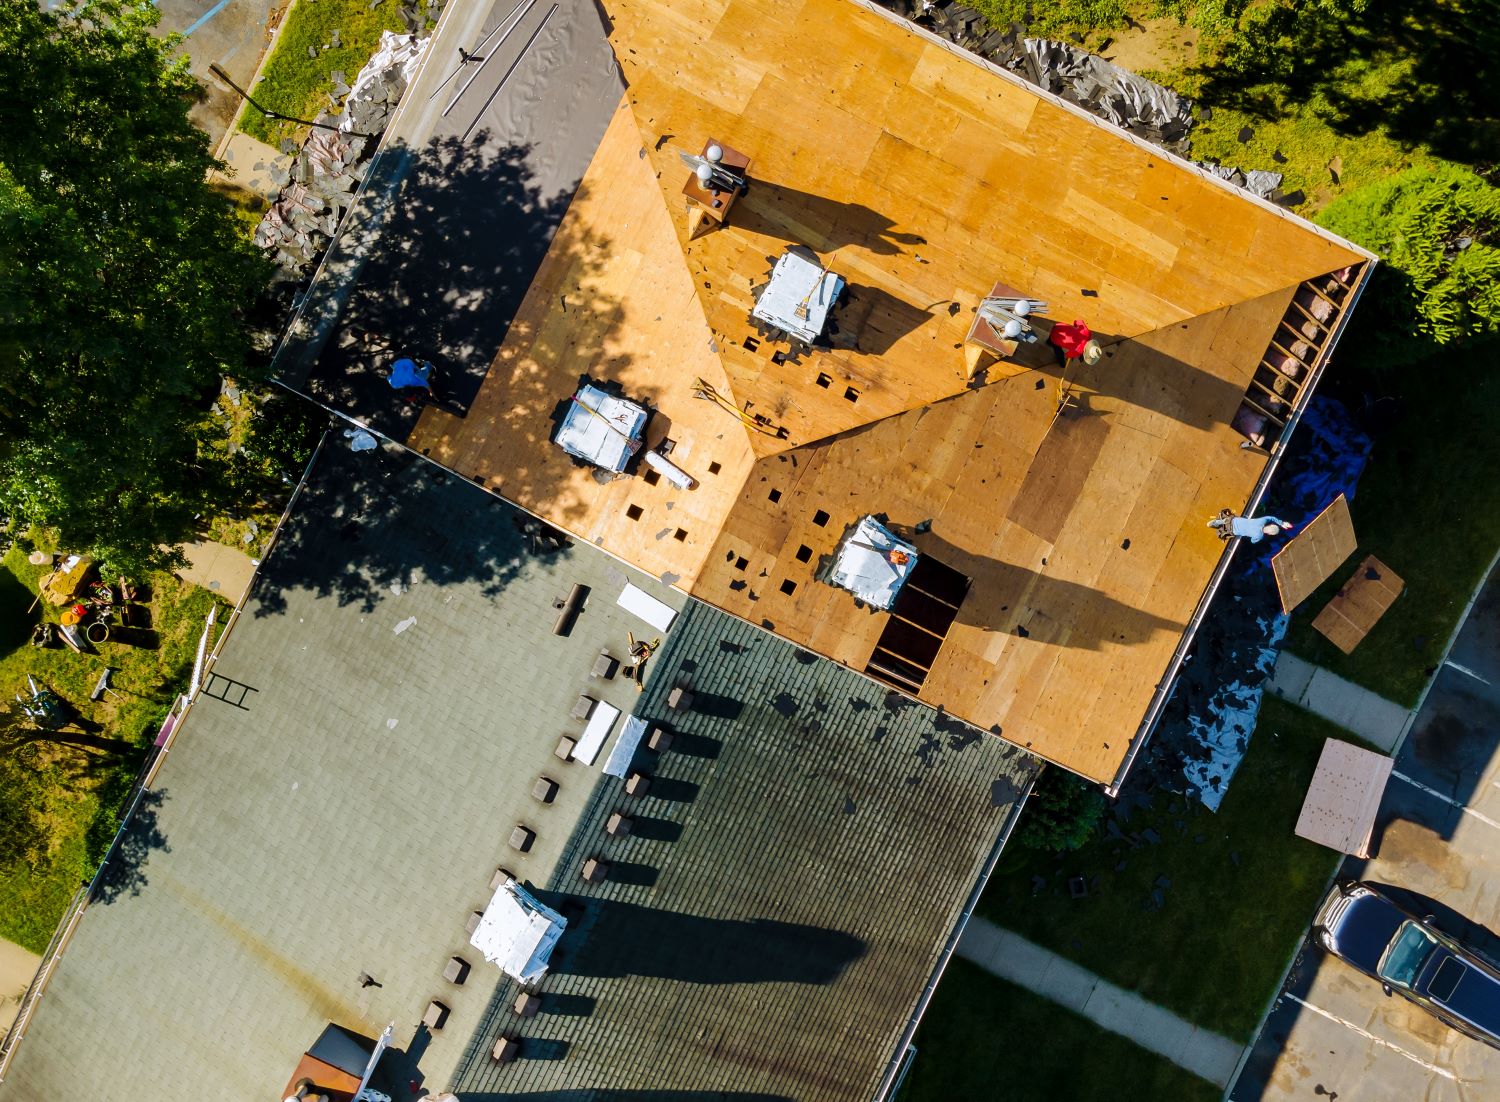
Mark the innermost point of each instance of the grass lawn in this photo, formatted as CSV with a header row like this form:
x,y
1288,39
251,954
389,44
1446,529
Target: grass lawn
x,y
86,788
984,1038
1428,506
1242,887
294,83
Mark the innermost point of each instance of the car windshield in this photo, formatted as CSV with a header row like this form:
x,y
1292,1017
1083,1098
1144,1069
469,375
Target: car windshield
x,y
1405,956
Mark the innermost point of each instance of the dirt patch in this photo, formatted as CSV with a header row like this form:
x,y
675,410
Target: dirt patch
x,y
1163,45
17,967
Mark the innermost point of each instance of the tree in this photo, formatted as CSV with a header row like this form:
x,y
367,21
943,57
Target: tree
x,y
1438,232
1061,814
124,282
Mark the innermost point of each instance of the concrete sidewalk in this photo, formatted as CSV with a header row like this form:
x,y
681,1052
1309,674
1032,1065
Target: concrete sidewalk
x,y
1372,717
1011,957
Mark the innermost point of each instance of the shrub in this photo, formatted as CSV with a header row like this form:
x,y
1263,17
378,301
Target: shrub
x,y
1438,231
1062,813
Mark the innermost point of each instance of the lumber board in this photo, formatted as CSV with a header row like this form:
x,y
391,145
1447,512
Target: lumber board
x,y
1358,606
1311,557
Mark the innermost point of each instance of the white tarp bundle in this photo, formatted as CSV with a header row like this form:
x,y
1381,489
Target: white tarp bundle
x,y
872,563
518,933
799,296
601,429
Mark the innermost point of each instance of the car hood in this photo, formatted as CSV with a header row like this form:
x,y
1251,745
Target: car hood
x,y
1360,926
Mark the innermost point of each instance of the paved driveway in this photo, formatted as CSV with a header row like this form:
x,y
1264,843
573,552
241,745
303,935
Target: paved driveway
x,y
1333,1034
231,32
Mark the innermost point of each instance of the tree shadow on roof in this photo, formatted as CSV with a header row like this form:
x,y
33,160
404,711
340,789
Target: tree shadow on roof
x,y
124,870
370,524
467,232
615,940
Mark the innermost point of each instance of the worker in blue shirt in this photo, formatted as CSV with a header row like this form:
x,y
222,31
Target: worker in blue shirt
x,y
1253,529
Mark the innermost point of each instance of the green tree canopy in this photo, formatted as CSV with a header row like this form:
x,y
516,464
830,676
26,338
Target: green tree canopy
x,y
1438,232
123,281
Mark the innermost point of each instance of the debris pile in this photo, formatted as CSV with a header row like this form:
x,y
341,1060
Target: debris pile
x,y
1116,95
320,183
378,87
1255,181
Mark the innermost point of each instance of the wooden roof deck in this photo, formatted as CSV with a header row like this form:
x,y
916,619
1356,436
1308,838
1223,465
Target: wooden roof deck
x,y
925,179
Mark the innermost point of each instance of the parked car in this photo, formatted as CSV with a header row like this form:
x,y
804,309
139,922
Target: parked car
x,y
1409,955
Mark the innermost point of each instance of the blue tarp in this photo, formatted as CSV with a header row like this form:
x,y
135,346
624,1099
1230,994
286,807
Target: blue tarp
x,y
1206,726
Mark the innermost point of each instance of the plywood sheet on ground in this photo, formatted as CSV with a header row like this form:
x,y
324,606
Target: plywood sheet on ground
x,y
1311,557
1339,811
1357,607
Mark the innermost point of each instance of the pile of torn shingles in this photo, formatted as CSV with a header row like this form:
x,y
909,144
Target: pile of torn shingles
x,y
1155,113
1071,73
319,185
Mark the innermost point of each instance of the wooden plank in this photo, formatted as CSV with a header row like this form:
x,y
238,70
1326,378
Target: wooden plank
x,y
1343,797
1359,605
1314,554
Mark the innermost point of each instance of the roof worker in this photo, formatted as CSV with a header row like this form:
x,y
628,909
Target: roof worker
x,y
408,378
1253,529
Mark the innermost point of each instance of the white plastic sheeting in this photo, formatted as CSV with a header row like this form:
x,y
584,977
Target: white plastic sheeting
x,y
636,600
601,723
873,563
601,429
518,933
799,282
620,757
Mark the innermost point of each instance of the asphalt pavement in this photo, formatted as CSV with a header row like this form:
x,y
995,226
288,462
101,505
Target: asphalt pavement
x,y
1333,1033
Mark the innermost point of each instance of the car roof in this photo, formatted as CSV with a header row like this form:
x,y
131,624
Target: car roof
x,y
1464,987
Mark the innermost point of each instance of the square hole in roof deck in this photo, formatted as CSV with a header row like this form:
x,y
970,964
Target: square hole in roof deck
x,y
634,512
820,518
804,553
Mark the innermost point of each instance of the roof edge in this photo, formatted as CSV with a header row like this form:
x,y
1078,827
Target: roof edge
x,y
1179,656
1134,139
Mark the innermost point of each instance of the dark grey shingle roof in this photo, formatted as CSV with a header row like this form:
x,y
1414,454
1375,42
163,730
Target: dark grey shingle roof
x,y
804,850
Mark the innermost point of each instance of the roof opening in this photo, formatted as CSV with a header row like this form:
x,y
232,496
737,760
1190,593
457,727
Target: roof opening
x,y
923,611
